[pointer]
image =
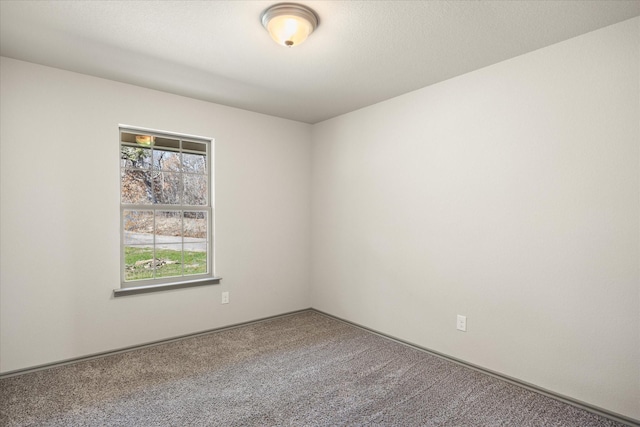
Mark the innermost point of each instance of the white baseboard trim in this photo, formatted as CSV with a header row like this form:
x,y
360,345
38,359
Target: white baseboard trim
x,y
532,387
515,381
139,346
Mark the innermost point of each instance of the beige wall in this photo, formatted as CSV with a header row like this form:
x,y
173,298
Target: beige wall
x,y
60,216
509,195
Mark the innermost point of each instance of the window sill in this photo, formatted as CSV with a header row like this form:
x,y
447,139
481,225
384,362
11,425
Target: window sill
x,y
135,290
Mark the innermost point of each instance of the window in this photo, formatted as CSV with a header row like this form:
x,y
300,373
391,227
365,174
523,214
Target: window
x,y
165,211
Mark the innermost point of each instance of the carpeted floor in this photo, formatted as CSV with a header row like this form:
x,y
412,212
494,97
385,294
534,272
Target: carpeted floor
x,y
305,369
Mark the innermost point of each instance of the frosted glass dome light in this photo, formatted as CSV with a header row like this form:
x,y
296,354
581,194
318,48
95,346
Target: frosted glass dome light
x,y
289,24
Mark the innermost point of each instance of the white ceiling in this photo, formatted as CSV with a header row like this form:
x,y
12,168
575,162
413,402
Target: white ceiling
x,y
363,52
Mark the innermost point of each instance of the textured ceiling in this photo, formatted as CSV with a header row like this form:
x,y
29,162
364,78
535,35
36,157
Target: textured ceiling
x,y
363,52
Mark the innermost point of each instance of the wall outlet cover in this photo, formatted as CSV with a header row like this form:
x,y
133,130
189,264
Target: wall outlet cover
x,y
461,323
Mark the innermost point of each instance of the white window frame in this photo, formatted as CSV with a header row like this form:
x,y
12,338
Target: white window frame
x,y
174,282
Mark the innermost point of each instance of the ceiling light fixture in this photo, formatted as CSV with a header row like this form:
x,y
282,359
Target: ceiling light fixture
x,y
145,139
288,23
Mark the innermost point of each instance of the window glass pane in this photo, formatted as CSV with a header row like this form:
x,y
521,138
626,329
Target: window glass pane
x,y
167,143
138,227
137,138
168,227
145,140
127,137
195,258
195,190
166,160
135,157
135,186
195,163
167,187
161,242
138,263
195,226
168,260
200,147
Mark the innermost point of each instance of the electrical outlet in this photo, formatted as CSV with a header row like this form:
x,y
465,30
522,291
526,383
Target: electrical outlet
x,y
225,297
461,324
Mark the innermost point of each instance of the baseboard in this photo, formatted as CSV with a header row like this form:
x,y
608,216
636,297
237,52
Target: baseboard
x,y
140,346
532,387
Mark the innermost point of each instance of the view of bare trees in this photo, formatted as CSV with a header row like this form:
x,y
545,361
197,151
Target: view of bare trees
x,y
163,177
156,176
164,193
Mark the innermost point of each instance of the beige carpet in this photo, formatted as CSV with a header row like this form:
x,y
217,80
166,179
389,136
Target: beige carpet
x,y
304,369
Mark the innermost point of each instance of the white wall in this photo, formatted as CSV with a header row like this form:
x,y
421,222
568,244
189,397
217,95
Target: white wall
x,y
59,217
509,195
